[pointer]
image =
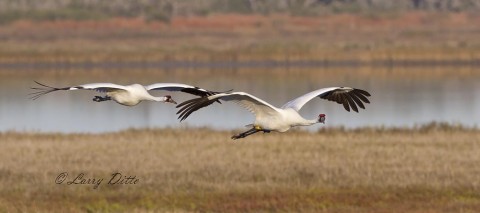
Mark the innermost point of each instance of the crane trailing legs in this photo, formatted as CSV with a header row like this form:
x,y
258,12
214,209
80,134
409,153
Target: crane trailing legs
x,y
250,132
100,98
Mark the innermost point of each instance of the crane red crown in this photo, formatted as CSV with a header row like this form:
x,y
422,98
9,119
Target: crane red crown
x,y
321,115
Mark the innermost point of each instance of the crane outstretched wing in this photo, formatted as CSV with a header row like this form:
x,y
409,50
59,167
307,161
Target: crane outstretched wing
x,y
176,87
347,96
253,104
99,87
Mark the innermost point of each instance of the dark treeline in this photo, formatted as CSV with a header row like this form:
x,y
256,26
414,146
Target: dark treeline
x,y
164,10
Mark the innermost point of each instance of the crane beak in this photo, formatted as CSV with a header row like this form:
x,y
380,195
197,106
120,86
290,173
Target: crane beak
x,y
171,101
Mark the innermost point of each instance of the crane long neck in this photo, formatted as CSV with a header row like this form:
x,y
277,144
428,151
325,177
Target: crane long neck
x,y
159,99
306,122
150,97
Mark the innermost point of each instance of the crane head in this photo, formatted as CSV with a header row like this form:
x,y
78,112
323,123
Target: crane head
x,y
321,118
169,99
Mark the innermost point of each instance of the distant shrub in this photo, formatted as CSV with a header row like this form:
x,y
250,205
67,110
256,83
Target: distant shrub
x,y
51,15
158,16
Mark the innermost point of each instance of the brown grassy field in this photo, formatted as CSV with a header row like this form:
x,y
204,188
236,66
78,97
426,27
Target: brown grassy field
x,y
363,38
431,169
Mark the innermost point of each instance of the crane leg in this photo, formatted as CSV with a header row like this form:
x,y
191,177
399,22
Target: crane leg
x,y
100,98
245,134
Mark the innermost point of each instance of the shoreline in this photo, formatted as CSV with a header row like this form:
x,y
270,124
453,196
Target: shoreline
x,y
427,128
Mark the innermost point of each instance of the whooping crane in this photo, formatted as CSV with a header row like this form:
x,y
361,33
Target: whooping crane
x,y
129,95
269,118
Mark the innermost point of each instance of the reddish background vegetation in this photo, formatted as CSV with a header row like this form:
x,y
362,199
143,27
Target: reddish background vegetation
x,y
238,22
384,38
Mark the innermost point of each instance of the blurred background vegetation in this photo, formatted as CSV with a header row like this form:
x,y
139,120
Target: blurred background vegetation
x,y
359,31
11,10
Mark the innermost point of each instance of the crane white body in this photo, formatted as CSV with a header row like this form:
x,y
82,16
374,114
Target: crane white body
x,y
132,95
281,121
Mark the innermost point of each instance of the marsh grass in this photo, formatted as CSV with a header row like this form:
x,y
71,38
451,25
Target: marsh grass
x,y
407,38
430,169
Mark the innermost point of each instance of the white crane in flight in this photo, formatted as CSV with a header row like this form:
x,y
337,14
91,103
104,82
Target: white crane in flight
x,y
129,95
270,118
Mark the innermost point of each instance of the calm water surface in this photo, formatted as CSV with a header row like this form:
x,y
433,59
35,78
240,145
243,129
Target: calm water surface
x,y
400,97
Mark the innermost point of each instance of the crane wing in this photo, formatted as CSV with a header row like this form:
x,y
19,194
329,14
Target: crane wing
x,y
253,104
99,87
175,87
347,96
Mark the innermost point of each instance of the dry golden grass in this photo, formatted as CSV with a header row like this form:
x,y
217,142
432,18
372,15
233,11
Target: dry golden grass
x,y
433,169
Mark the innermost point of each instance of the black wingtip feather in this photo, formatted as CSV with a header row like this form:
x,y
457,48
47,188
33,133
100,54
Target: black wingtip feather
x,y
190,106
43,91
351,103
44,85
363,92
349,98
357,101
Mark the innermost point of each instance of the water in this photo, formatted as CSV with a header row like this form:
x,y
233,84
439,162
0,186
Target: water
x,y
402,97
